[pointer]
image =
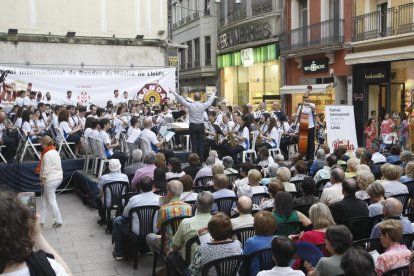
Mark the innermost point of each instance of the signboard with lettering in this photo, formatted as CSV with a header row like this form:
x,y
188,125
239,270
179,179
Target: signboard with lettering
x,y
247,57
340,127
315,66
376,74
249,32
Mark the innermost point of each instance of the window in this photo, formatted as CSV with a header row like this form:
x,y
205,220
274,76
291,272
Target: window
x,y
207,47
182,58
197,52
189,54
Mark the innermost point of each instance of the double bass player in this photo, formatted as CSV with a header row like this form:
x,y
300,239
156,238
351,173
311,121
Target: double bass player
x,y
306,114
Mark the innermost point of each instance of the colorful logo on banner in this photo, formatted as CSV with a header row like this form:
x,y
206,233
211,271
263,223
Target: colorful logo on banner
x,y
84,97
152,93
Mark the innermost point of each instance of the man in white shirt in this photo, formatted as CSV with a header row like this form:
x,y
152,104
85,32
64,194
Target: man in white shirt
x,y
150,137
68,100
309,109
116,100
245,218
22,100
377,157
134,131
49,99
125,97
334,193
120,230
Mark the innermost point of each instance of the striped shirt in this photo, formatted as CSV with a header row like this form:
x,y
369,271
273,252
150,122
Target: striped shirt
x,y
176,208
195,109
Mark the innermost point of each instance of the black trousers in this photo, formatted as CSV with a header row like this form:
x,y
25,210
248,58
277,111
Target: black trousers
x,y
209,143
311,144
197,136
285,142
10,149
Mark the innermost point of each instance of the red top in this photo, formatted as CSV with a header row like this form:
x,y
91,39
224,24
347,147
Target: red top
x,y
313,236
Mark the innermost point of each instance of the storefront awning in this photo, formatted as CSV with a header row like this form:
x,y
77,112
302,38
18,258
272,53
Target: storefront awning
x,y
301,89
406,52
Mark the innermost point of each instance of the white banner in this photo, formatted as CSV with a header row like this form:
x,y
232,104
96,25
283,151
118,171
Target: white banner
x,y
340,125
89,86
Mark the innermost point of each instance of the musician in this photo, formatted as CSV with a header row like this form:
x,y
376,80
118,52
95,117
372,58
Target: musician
x,y
120,121
73,117
27,128
22,100
110,144
242,138
38,122
92,110
71,134
150,137
227,127
277,112
81,116
211,135
309,108
134,131
165,116
264,122
271,137
261,110
116,100
49,99
196,113
91,128
289,135
10,143
124,98
221,109
68,100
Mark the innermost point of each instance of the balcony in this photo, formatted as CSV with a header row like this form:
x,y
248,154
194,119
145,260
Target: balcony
x,y
393,21
323,34
261,7
236,15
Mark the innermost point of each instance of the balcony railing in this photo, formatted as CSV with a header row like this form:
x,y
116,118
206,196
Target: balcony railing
x,y
382,23
261,7
326,33
236,15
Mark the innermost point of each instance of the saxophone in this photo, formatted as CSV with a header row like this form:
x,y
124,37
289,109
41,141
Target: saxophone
x,y
230,136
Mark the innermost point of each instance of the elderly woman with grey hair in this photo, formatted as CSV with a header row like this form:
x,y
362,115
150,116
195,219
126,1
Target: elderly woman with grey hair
x,y
271,174
228,163
136,163
405,157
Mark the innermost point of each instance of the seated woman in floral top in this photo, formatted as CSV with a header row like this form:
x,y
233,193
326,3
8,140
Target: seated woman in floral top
x,y
395,255
274,187
219,247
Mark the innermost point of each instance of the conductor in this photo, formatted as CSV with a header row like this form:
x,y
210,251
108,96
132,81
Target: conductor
x,y
196,118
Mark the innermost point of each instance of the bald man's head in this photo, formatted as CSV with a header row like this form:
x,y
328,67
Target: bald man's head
x,y
197,96
148,122
337,175
392,208
349,186
244,205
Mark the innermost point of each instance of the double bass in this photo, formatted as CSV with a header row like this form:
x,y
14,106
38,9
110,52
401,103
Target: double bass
x,y
303,120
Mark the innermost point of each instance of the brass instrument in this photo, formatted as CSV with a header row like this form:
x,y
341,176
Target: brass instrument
x,y
259,139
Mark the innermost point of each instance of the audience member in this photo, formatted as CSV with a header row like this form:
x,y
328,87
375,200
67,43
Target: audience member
x,y
357,261
274,187
409,173
113,175
350,206
206,170
308,188
121,223
193,165
254,177
394,157
187,194
174,166
392,185
325,172
136,163
244,170
228,163
301,168
245,218
376,195
283,174
271,173
175,208
377,157
283,250
319,162
338,240
22,243
188,229
220,246
283,211
160,181
351,167
405,157
395,255
334,193
147,170
221,181
264,225
364,179
392,210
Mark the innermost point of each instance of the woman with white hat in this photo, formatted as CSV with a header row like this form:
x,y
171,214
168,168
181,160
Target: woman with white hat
x,y
113,175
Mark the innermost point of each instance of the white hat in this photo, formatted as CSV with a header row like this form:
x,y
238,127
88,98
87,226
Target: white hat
x,y
114,165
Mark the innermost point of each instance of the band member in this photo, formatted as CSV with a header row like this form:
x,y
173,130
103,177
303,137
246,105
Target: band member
x,y
242,138
73,117
211,135
71,134
196,112
277,112
289,136
262,110
309,108
272,135
120,121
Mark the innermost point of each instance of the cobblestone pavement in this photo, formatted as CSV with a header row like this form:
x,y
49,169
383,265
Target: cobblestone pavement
x,y
84,245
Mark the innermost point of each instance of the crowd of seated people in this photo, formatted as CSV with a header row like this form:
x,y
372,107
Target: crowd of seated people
x,y
361,184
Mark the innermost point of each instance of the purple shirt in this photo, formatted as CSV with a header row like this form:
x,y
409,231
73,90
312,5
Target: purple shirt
x,y
147,170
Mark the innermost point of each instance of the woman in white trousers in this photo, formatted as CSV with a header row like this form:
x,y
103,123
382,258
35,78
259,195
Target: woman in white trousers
x,y
51,175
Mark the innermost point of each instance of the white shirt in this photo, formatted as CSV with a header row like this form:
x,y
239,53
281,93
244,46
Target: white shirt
x,y
378,158
142,199
281,271
58,268
275,135
111,177
151,138
22,101
245,142
27,129
332,194
105,139
91,133
51,168
116,101
309,111
69,101
18,123
243,220
169,175
133,134
188,196
65,129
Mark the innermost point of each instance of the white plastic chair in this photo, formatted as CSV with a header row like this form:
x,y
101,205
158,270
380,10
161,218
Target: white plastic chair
x,y
252,150
27,145
274,151
144,146
88,153
61,140
102,156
